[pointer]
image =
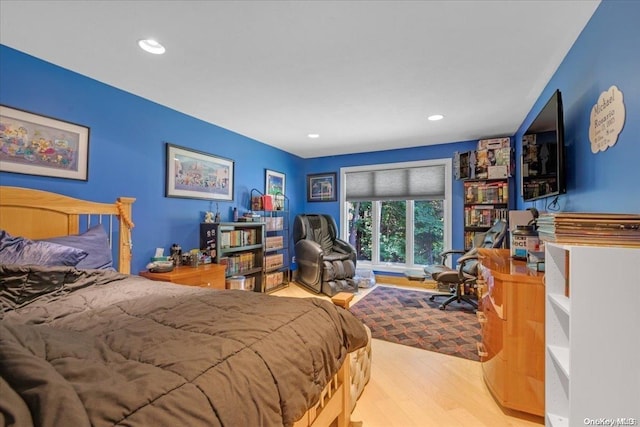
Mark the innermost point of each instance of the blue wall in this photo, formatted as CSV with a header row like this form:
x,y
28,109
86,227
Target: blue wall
x,y
127,151
334,163
128,135
606,53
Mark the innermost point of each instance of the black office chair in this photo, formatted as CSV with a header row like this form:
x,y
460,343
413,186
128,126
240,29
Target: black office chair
x,y
465,275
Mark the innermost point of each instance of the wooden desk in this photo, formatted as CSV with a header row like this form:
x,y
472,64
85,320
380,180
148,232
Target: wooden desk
x,y
511,314
204,275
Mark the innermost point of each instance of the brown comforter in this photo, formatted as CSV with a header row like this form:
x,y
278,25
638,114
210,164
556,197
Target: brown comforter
x,y
94,347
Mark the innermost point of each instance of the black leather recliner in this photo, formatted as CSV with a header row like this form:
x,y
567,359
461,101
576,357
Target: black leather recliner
x,y
326,264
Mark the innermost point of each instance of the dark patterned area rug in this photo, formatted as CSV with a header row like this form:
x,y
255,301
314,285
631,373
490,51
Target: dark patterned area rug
x,y
407,317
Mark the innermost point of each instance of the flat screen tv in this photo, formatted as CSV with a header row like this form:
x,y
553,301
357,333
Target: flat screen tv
x,y
543,168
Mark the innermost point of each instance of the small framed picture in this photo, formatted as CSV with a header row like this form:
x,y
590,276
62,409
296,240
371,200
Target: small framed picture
x,y
274,183
321,187
274,186
197,175
39,145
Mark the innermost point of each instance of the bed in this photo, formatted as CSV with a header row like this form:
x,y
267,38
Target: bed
x,y
98,346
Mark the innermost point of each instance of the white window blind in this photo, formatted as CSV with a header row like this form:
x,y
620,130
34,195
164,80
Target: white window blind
x,y
408,183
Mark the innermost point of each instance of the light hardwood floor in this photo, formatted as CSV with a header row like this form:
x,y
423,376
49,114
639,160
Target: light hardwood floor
x,y
414,387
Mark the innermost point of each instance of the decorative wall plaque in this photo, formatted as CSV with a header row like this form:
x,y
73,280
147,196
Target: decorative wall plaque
x,y
607,119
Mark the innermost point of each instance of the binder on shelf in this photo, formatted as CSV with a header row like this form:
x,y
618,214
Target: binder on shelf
x,y
267,202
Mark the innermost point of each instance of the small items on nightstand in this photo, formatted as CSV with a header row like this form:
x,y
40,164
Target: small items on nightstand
x,y
160,263
160,266
176,254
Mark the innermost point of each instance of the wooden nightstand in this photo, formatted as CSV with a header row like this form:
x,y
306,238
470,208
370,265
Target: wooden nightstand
x,y
204,275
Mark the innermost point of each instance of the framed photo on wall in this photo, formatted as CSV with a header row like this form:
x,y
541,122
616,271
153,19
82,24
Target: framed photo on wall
x,y
274,182
321,187
194,174
39,145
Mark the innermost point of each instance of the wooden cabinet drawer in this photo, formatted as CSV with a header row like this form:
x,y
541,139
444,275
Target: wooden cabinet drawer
x,y
494,371
213,279
206,276
493,330
494,290
190,280
494,358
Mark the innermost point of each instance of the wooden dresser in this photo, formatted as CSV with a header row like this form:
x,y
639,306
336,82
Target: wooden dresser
x,y
204,275
511,314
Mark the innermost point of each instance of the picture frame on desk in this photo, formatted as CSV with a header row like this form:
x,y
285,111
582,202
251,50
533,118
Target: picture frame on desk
x,y
195,174
321,187
34,144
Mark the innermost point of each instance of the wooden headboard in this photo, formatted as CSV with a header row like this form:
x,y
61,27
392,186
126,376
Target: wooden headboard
x,y
37,214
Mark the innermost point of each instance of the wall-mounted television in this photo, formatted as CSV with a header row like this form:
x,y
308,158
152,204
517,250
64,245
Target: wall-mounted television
x,y
542,166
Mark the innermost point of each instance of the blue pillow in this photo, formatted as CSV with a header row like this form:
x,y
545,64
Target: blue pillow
x,y
22,251
94,242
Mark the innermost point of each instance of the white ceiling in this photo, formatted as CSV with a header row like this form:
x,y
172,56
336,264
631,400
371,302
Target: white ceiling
x,y
363,74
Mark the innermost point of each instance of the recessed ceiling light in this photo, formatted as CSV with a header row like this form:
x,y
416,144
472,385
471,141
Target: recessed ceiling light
x,y
435,117
151,46
313,135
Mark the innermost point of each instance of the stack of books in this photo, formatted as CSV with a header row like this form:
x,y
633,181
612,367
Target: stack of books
x,y
590,228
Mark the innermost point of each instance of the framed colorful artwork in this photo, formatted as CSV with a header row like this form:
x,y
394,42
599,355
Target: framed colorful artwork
x,y
38,145
321,187
197,175
274,185
274,182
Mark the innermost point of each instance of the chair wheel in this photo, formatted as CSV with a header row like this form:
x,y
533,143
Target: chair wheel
x,y
432,297
442,307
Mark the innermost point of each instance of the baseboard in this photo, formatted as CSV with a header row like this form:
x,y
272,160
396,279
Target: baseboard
x,y
404,281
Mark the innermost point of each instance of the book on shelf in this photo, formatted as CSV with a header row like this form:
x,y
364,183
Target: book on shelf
x,y
238,237
274,242
273,280
274,223
238,263
483,215
486,192
274,261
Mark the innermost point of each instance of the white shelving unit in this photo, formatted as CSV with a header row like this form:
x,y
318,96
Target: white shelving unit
x,y
592,322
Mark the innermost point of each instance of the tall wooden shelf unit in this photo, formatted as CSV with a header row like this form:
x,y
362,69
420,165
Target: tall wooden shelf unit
x,y
592,340
485,201
238,245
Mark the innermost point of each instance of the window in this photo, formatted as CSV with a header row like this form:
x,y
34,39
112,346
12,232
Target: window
x,y
397,216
